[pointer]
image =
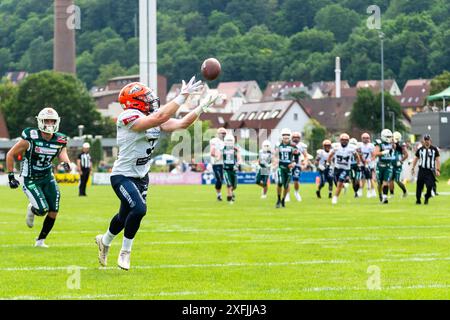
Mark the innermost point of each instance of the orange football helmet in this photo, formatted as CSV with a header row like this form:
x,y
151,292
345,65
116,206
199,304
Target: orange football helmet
x,y
138,96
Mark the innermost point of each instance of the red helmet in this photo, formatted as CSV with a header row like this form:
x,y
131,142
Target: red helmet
x,y
138,96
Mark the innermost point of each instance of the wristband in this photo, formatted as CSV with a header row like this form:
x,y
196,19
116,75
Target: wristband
x,y
180,99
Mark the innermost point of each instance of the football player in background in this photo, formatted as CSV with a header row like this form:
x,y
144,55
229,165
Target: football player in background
x,y
264,161
284,158
342,156
138,131
400,155
297,170
39,147
231,157
215,146
355,169
384,150
325,172
367,148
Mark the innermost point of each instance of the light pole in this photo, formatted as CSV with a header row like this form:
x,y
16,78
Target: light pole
x,y
381,35
392,115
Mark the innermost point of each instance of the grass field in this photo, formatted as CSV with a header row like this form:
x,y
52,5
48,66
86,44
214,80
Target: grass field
x,y
191,247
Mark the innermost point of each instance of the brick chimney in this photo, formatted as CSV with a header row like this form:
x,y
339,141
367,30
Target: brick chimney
x,y
64,37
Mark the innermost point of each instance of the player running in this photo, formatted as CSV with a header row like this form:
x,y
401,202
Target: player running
x,y
355,169
40,146
400,155
384,150
297,169
367,148
215,146
342,156
264,161
138,130
284,158
231,157
325,171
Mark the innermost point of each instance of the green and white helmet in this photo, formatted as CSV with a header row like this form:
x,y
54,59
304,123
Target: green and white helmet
x,y
386,135
266,145
229,140
48,114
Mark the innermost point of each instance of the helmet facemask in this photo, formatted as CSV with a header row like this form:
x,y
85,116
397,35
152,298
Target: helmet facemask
x,y
151,101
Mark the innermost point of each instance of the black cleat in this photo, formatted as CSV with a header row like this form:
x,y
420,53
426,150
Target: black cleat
x,y
385,201
418,202
426,201
283,204
219,198
318,194
330,195
278,205
356,194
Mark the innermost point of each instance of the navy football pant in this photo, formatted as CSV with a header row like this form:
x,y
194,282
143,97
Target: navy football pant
x,y
132,193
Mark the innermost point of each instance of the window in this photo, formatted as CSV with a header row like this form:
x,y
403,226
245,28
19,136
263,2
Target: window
x,y
403,100
347,114
242,116
221,121
275,114
410,99
295,116
417,99
252,116
266,115
321,113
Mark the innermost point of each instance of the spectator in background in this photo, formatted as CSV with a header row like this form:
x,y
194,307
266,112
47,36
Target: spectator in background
x,y
84,165
2,168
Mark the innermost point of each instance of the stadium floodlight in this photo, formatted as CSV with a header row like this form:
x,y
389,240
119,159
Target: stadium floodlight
x,y
381,35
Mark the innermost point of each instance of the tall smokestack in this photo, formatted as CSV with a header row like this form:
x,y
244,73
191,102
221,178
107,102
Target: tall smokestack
x,y
338,77
64,36
148,72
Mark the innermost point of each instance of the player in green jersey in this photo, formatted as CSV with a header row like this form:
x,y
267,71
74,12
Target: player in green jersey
x,y
284,156
231,157
384,150
400,155
264,161
39,146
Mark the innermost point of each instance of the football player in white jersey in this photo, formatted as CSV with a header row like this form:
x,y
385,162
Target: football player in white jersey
x,y
324,170
367,148
342,156
296,171
216,146
138,130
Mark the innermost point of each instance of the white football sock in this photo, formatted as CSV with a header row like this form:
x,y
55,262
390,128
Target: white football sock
x,y
107,238
127,244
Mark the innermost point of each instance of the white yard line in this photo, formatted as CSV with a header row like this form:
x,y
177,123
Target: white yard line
x,y
232,264
229,230
293,240
234,293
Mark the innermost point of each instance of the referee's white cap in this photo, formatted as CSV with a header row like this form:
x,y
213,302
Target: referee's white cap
x,y
86,145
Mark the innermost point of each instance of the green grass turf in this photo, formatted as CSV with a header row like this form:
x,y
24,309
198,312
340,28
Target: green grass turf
x,y
192,247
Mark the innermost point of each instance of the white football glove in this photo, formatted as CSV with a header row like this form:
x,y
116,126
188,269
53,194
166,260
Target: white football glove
x,y
321,167
385,152
206,106
191,87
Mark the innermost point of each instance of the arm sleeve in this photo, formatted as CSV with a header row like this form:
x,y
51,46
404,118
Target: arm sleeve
x,y
417,153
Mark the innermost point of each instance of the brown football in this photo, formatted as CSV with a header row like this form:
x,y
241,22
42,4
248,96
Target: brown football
x,y
211,69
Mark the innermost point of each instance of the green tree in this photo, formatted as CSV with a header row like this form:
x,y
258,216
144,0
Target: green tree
x,y
87,70
315,133
96,152
108,71
366,111
66,94
338,20
440,83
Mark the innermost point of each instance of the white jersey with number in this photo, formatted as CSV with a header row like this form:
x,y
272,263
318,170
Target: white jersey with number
x,y
322,156
135,148
343,157
218,145
366,152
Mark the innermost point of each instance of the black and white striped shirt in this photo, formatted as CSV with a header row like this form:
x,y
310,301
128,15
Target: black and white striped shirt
x,y
85,160
427,157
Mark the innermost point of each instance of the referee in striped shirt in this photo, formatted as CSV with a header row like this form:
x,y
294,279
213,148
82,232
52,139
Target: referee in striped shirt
x,y
84,165
429,168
